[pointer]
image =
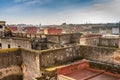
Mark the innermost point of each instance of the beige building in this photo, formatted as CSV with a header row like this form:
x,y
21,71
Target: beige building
x,y
2,23
14,43
2,27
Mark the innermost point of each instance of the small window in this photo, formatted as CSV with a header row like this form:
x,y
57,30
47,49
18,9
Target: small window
x,y
0,45
19,46
8,45
1,26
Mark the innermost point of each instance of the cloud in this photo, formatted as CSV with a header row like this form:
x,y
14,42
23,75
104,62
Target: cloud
x,y
100,12
97,13
31,2
18,1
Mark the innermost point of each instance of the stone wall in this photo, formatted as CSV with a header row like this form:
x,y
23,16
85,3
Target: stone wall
x,y
19,64
61,39
109,42
30,65
55,57
75,38
93,41
101,54
10,62
15,43
113,68
53,45
65,39
53,38
100,41
59,56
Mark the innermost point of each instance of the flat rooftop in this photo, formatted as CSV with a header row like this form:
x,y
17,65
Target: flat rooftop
x,y
91,74
82,71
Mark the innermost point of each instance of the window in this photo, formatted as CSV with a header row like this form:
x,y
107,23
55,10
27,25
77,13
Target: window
x,y
8,45
19,46
1,26
0,45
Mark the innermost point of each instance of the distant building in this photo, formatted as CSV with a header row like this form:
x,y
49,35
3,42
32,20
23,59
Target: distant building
x,y
62,40
52,31
2,23
106,29
14,29
15,43
115,30
2,27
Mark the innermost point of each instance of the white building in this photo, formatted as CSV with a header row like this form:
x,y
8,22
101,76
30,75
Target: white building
x,y
14,43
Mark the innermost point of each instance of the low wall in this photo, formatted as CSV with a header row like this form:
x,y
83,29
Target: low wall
x,y
59,56
100,41
10,61
61,39
26,64
93,41
19,64
75,38
113,68
101,54
55,57
109,42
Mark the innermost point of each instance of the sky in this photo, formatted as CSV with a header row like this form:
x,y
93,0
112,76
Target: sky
x,y
59,11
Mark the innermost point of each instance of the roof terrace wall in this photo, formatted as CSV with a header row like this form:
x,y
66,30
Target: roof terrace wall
x,y
19,64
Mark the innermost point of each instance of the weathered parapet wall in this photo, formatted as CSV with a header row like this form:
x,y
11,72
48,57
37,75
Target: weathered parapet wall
x,y
109,42
61,38
15,63
93,41
10,62
106,55
59,56
105,66
25,35
19,64
30,65
57,41
62,55
102,57
75,38
101,54
65,39
100,41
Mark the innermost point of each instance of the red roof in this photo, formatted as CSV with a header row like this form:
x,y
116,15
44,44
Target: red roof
x,y
31,30
54,31
13,28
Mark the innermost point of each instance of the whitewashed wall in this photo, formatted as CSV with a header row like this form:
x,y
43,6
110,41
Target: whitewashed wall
x,y
14,43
